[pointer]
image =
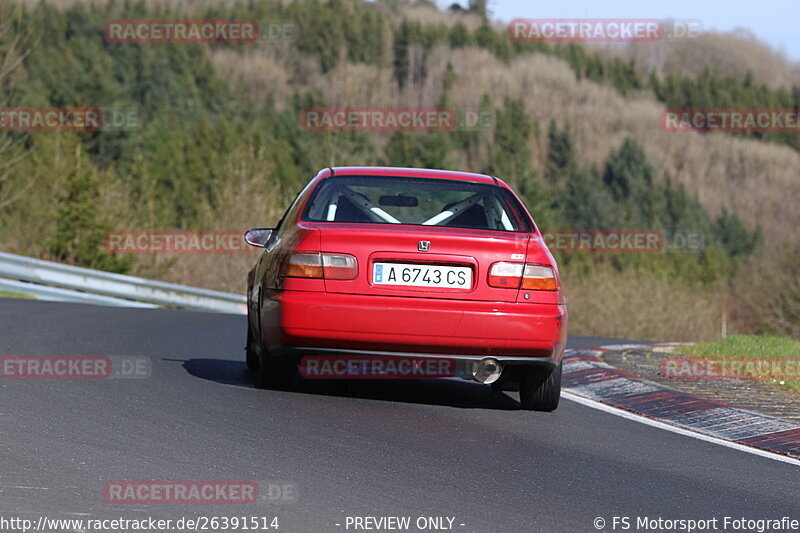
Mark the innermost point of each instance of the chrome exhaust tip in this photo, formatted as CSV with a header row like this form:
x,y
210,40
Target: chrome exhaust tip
x,y
487,370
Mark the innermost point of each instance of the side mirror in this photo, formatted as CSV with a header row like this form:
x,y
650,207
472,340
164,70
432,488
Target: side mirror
x,y
258,236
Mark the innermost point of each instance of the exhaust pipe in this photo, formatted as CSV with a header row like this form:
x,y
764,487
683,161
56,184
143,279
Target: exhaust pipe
x,y
487,370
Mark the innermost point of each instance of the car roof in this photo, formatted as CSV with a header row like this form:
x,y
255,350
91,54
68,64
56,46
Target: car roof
x,y
410,173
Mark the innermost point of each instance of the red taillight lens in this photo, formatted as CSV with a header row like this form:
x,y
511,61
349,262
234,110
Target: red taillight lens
x,y
504,275
321,266
339,266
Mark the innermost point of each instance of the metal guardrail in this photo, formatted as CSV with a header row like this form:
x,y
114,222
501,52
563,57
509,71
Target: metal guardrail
x,y
53,281
55,294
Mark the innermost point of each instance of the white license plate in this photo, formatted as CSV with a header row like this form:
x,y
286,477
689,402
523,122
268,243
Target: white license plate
x,y
451,277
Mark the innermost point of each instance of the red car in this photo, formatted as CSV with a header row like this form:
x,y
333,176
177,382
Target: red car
x,y
440,271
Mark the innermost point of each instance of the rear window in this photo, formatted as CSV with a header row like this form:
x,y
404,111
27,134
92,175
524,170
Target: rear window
x,y
416,201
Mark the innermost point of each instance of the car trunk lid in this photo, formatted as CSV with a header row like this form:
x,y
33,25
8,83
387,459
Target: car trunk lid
x,y
414,251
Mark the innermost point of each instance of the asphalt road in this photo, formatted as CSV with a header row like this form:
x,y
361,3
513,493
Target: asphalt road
x,y
411,448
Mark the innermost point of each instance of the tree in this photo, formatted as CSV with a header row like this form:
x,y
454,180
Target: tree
x,y
479,7
629,178
733,235
459,36
428,150
510,157
402,44
79,234
560,154
583,202
11,146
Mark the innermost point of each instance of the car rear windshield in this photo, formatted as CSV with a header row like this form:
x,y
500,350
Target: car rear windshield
x,y
416,201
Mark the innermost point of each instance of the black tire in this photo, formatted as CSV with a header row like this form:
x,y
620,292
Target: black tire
x,y
251,354
540,388
277,373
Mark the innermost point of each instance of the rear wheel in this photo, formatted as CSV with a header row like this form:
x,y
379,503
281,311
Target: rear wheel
x,y
540,388
279,373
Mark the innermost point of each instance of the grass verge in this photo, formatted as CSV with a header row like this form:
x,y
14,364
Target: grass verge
x,y
9,294
753,347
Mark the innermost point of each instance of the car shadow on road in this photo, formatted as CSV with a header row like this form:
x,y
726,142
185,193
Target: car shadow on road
x,y
446,392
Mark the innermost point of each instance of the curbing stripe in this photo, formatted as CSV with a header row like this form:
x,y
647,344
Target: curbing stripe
x,y
594,404
587,376
785,441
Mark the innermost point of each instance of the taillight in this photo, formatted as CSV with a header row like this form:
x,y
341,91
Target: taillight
x,y
339,266
539,278
505,275
316,265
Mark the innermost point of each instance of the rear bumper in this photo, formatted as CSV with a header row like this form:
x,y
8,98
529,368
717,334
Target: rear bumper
x,y
300,322
463,364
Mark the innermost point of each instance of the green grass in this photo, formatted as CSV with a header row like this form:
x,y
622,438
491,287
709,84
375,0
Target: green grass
x,y
8,294
751,347
747,346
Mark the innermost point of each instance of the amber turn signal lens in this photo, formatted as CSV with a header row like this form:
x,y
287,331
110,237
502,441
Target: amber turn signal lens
x,y
304,265
319,266
539,278
303,271
533,284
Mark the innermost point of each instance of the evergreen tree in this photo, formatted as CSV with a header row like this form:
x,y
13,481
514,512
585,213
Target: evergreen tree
x,y
583,202
480,7
402,43
79,235
734,236
629,178
560,154
510,157
426,150
459,36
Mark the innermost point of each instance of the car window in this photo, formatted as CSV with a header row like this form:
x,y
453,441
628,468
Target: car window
x,y
416,201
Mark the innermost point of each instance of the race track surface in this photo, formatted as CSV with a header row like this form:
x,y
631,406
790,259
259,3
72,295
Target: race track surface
x,y
404,448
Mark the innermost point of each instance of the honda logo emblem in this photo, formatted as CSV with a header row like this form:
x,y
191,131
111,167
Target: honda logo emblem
x,y
424,246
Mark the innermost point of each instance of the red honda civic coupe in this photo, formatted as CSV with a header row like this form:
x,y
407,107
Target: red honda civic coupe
x,y
404,272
